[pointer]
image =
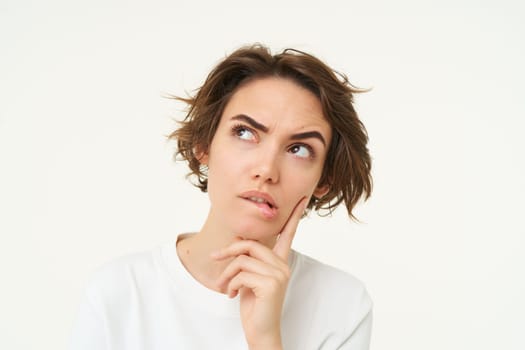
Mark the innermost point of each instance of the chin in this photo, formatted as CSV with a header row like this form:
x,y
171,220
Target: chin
x,y
256,231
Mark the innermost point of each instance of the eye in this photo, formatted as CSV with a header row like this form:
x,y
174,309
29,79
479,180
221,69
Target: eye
x,y
243,132
302,151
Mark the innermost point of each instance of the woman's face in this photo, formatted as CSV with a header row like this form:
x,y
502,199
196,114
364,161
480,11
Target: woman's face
x,y
266,155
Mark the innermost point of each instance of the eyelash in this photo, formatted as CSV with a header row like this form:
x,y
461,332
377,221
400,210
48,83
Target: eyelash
x,y
240,127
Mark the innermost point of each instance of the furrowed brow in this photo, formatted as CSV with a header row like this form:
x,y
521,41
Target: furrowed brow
x,y
309,134
251,121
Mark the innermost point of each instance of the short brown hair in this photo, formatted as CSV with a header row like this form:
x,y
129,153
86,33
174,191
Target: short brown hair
x,y
347,166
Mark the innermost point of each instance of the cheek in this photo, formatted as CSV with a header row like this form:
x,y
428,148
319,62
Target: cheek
x,y
296,190
224,171
301,182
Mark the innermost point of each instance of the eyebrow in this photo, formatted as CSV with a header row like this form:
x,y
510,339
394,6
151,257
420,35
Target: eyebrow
x,y
309,134
252,122
263,128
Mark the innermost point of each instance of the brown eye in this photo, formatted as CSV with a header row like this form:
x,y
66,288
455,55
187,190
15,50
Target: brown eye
x,y
243,132
302,151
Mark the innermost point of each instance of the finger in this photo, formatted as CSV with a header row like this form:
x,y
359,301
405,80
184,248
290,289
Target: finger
x,y
261,286
247,247
284,242
249,264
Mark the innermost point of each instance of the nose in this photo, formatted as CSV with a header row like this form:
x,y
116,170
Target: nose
x,y
266,168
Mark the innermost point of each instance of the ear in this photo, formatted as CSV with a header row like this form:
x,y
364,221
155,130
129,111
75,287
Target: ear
x,y
320,191
201,155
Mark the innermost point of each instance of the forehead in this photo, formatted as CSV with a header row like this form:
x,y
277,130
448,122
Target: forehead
x,y
277,100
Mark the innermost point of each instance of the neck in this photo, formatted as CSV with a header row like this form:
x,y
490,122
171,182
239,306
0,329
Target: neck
x,y
194,251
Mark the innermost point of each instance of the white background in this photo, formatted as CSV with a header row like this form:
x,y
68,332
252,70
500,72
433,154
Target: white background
x,y
86,173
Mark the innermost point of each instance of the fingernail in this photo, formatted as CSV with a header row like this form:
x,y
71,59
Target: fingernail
x,y
215,254
305,203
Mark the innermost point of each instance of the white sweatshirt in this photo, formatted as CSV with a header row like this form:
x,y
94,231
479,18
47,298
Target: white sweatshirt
x,y
149,301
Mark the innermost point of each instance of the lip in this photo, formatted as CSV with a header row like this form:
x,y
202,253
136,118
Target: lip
x,y
258,194
267,209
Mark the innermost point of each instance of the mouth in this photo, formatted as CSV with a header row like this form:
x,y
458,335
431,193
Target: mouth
x,y
263,201
260,201
259,197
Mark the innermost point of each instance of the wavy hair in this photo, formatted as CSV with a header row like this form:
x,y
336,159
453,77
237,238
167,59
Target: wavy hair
x,y
347,168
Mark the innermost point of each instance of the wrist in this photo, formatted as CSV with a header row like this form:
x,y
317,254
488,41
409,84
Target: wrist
x,y
276,346
273,343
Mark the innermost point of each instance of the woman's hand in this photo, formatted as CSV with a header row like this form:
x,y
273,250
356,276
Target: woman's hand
x,y
261,276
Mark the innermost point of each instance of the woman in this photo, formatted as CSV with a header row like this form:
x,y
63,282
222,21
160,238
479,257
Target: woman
x,y
269,138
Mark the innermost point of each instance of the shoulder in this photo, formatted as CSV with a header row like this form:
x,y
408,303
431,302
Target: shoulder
x,y
117,278
331,304
310,269
330,286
